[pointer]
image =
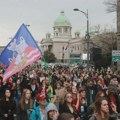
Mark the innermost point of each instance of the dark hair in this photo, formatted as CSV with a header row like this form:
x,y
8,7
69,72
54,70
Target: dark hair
x,y
81,89
90,79
65,116
98,103
99,94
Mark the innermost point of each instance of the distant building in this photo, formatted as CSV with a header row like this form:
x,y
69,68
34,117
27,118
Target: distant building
x,y
62,44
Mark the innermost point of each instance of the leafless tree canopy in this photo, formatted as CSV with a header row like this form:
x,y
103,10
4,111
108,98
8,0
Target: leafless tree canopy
x,y
111,5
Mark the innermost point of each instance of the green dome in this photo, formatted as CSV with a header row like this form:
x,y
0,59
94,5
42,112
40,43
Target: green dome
x,y
48,34
62,20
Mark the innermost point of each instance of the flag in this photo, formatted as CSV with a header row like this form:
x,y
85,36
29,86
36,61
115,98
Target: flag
x,y
21,51
66,47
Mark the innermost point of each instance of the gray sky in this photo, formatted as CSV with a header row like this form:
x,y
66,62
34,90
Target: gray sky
x,y
41,14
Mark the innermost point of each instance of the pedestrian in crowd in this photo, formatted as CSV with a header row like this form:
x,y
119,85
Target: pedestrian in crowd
x,y
17,91
76,97
33,87
102,110
60,93
39,110
25,105
113,96
1,87
83,99
66,116
68,107
90,109
83,103
51,112
10,85
91,91
7,106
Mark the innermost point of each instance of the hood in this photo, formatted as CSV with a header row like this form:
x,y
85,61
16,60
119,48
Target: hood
x,y
50,106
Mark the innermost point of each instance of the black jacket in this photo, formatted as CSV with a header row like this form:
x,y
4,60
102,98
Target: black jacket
x,y
7,107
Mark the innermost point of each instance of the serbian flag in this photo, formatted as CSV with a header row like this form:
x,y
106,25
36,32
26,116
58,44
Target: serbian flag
x,y
67,47
21,51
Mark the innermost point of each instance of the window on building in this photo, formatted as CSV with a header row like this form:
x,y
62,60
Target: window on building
x,y
56,34
65,29
75,48
59,29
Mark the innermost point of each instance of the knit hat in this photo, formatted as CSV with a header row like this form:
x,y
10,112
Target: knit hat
x,y
40,97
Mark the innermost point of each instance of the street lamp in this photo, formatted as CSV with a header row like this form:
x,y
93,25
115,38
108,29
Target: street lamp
x,y
87,36
27,25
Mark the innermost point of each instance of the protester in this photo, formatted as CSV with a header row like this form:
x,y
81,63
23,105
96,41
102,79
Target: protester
x,y
39,110
76,98
90,109
60,93
102,110
68,107
17,91
91,91
7,106
113,96
25,105
51,112
34,87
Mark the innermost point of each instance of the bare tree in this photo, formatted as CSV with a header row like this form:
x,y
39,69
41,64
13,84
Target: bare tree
x,y
111,5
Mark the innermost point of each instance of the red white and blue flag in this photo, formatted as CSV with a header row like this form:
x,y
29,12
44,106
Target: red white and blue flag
x,y
67,46
21,51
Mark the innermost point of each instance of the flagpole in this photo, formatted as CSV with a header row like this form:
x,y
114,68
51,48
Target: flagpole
x,y
46,67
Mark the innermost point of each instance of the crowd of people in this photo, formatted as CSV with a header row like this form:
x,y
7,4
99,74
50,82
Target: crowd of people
x,y
60,93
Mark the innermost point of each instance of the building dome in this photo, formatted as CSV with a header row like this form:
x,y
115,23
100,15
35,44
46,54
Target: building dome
x,y
62,20
48,35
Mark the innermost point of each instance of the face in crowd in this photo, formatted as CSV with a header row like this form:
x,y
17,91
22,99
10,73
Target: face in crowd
x,y
90,83
82,94
101,105
52,113
27,94
104,106
68,98
7,93
74,90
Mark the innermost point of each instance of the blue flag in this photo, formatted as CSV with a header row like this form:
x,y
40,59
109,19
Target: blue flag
x,y
21,51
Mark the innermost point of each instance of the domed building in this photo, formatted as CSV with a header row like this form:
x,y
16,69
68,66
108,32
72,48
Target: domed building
x,y
65,48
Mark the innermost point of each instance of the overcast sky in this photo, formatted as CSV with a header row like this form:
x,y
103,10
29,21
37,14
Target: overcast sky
x,y
41,14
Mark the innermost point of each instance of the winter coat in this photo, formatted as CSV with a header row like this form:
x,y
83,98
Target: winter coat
x,y
9,108
35,113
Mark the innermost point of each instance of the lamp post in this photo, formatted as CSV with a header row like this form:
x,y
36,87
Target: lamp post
x,y
87,36
27,25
